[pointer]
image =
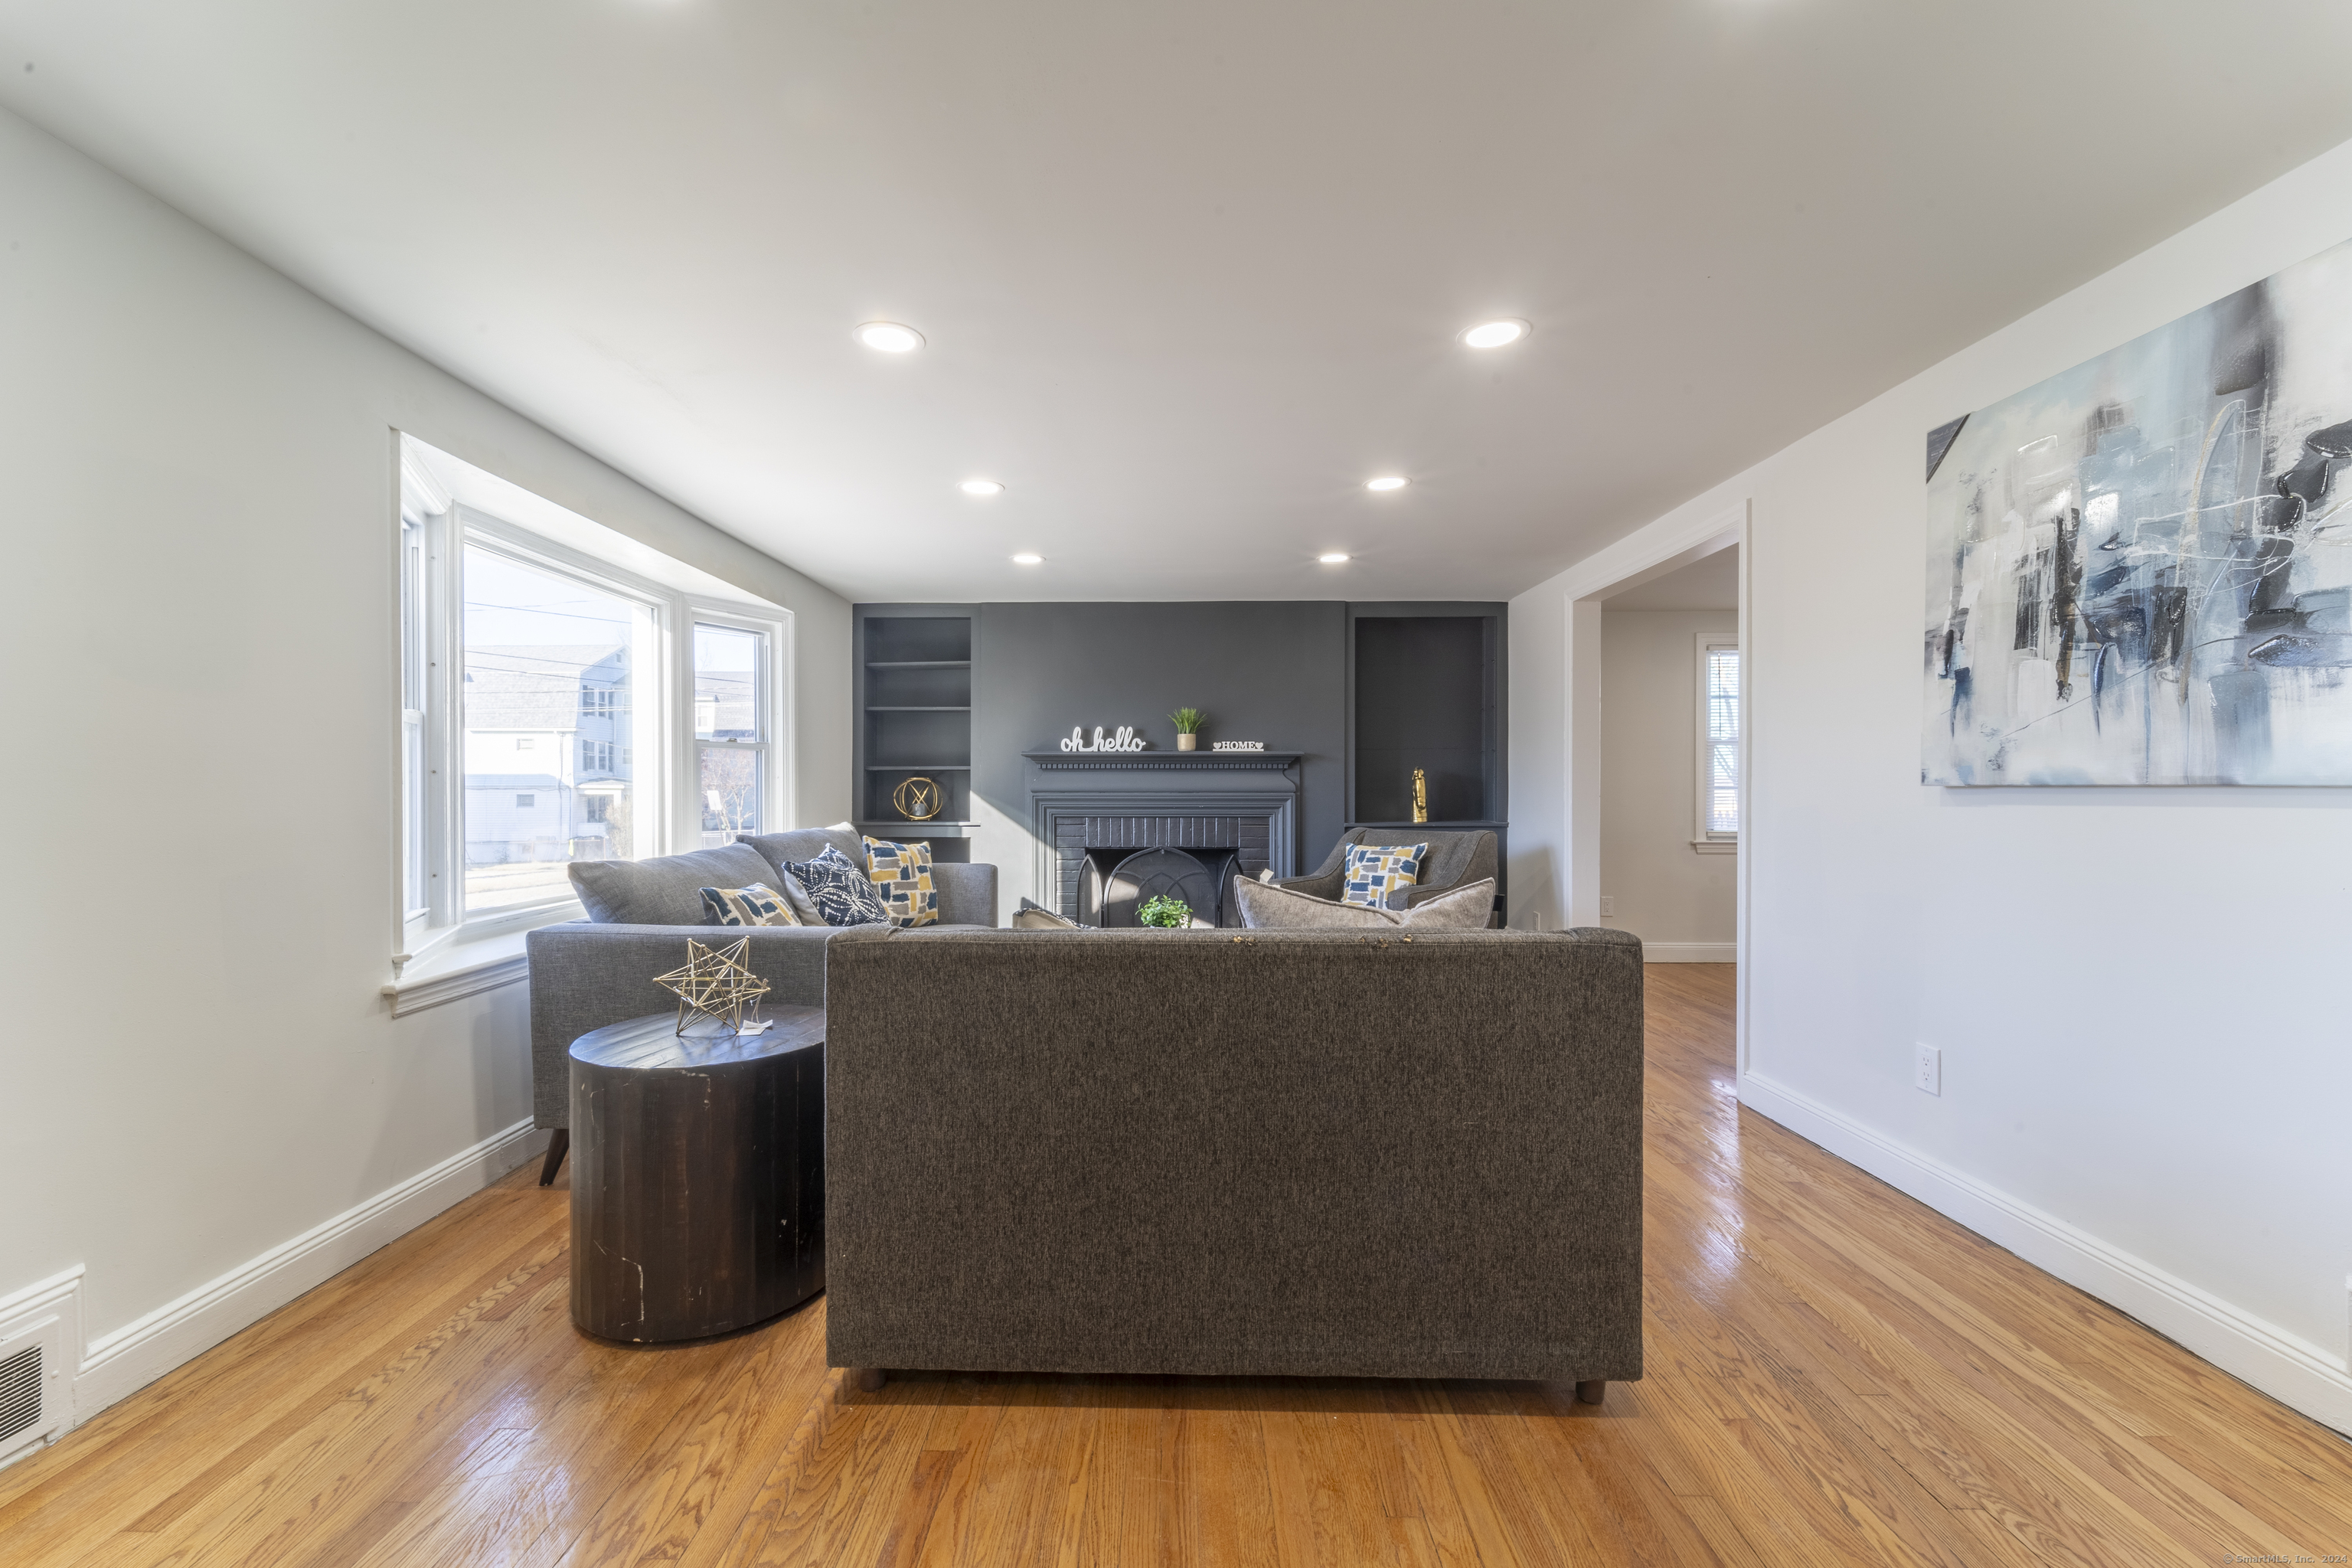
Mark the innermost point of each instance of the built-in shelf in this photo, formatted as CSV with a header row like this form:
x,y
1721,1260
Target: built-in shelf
x,y
1425,693
914,696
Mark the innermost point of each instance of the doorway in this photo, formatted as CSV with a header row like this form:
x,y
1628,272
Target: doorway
x,y
1670,784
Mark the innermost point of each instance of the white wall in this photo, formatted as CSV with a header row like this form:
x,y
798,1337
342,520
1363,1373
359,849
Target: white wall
x,y
2138,993
202,730
1666,892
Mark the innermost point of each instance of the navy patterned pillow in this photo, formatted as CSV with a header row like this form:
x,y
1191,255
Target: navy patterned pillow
x,y
842,894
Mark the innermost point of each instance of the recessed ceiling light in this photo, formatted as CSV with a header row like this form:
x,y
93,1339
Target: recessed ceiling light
x,y
889,337
1386,482
1027,559
1332,557
1496,334
980,488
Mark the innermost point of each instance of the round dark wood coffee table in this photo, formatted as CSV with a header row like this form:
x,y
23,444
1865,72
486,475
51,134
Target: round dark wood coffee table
x,y
697,1175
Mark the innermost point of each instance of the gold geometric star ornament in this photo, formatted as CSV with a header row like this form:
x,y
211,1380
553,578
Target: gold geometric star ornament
x,y
717,985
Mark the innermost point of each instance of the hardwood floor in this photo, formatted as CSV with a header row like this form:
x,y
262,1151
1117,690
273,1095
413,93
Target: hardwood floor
x,y
1837,1376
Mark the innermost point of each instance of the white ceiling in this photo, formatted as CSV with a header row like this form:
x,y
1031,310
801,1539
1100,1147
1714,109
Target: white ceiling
x,y
1189,273
1709,583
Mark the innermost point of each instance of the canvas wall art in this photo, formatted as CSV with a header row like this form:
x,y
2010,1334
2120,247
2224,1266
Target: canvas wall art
x,y
2141,571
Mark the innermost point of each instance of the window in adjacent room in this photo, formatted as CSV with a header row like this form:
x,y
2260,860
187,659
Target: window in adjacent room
x,y
1719,783
542,656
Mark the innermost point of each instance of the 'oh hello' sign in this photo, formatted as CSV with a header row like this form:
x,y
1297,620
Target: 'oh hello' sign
x,y
1125,740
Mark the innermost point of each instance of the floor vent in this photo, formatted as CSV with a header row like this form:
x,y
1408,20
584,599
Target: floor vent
x,y
20,1392
40,1329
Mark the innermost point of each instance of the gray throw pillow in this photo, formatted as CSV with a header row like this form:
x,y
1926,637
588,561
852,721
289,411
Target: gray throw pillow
x,y
806,843
797,896
1266,907
665,891
1032,916
1466,907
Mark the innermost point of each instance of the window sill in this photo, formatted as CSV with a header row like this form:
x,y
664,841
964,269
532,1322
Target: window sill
x,y
457,969
1716,845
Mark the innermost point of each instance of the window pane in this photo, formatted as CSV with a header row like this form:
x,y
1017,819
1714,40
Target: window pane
x,y
1723,740
727,662
547,711
731,793
412,720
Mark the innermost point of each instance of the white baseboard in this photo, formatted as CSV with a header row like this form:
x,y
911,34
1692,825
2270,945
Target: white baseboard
x,y
2284,1365
1690,952
127,1359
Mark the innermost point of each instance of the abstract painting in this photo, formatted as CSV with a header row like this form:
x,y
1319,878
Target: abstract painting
x,y
2141,571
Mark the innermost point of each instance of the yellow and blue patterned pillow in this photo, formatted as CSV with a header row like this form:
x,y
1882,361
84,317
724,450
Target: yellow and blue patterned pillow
x,y
1379,876
901,873
757,905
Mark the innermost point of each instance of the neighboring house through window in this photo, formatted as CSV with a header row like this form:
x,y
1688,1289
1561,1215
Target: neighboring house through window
x,y
534,671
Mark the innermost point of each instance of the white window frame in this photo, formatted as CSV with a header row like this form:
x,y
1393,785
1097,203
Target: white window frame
x,y
1704,839
772,751
666,784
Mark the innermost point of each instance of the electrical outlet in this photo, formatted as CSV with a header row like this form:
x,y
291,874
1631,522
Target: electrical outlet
x,y
1607,908
1928,1071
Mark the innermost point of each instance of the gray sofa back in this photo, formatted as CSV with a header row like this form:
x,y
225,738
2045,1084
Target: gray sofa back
x,y
807,844
1312,1153
667,889
585,975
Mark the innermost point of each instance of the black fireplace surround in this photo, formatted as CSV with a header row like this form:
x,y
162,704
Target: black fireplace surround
x,y
1234,813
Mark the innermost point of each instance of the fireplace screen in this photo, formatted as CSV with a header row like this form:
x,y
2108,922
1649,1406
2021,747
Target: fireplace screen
x,y
1146,874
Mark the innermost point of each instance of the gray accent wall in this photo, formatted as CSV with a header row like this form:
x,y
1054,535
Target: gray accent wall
x,y
1262,670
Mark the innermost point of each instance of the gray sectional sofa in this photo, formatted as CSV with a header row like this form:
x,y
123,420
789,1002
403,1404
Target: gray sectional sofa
x,y
1326,1154
587,974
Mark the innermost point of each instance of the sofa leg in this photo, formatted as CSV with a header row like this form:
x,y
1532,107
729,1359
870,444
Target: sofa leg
x,y
869,1379
556,1144
1592,1392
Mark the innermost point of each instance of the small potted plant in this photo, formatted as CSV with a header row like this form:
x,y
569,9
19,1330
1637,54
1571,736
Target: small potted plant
x,y
1187,722
1164,912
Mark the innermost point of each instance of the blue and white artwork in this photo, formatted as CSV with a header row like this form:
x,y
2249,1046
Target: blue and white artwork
x,y
2141,571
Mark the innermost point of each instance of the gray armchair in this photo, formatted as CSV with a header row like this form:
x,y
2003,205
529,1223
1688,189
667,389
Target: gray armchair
x,y
1453,859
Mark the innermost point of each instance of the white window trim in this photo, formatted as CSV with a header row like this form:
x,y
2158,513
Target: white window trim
x,y
438,951
775,719
1703,841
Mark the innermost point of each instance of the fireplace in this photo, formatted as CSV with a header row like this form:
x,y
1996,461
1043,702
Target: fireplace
x,y
1231,814
1114,884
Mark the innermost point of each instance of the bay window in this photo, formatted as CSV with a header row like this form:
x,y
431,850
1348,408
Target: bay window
x,y
566,694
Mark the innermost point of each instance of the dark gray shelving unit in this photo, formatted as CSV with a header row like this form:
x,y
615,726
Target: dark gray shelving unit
x,y
1425,689
914,695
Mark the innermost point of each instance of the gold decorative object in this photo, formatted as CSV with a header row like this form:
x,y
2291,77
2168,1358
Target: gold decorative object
x,y
918,799
1420,796
717,985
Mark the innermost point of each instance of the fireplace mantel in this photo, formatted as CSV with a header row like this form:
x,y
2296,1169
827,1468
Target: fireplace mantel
x,y
1164,761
